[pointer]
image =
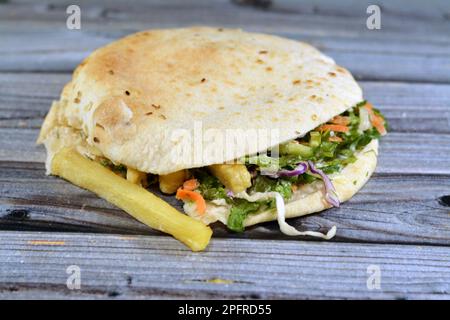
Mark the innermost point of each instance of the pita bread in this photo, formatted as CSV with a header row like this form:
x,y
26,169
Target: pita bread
x,y
127,98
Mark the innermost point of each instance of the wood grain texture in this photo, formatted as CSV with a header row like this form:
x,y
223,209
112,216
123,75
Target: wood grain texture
x,y
148,267
398,221
25,98
389,209
401,153
402,60
407,49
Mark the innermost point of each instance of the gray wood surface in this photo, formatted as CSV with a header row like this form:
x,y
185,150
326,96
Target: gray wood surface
x,y
390,209
409,107
398,221
412,47
114,266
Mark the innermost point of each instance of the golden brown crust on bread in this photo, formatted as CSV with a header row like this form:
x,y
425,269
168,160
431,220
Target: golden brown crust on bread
x,y
131,95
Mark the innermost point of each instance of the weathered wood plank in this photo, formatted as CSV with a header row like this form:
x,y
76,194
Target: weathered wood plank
x,y
394,209
410,107
401,153
53,40
411,54
413,17
400,204
35,264
436,10
63,52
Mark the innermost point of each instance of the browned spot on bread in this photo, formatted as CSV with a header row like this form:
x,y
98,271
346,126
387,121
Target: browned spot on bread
x,y
127,92
295,82
156,106
111,72
269,69
98,125
259,61
332,74
96,140
77,99
263,52
148,113
203,80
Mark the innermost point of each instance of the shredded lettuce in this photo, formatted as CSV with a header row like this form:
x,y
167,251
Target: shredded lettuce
x,y
239,211
241,208
209,186
120,168
330,156
265,184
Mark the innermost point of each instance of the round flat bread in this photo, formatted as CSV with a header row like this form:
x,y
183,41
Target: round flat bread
x,y
138,99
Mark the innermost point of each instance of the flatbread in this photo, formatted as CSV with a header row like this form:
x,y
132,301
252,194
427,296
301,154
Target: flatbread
x,y
309,198
130,99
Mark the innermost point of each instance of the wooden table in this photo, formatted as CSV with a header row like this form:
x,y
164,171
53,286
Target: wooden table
x,y
399,223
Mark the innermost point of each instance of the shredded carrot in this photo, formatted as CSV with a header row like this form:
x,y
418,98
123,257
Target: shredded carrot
x,y
378,123
376,120
333,127
369,106
335,139
190,184
194,196
341,120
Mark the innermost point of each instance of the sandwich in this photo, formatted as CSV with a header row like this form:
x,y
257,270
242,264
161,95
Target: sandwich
x,y
243,128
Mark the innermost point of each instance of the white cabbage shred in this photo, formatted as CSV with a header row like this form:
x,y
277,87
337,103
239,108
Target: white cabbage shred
x,y
281,215
364,120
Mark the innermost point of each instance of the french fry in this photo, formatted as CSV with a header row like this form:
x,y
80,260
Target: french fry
x,y
169,183
135,200
137,177
234,176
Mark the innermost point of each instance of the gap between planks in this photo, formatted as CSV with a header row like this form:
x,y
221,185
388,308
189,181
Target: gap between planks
x,y
389,209
146,266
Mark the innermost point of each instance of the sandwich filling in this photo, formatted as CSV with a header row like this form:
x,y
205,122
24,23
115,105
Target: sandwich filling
x,y
263,181
257,183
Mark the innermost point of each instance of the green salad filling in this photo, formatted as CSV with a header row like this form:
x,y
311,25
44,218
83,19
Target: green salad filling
x,y
330,147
